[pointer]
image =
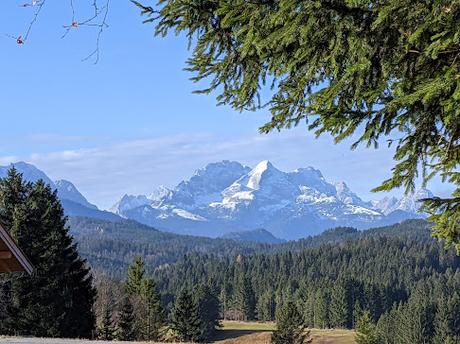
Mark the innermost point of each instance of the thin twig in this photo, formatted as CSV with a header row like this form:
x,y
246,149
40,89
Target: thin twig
x,y
69,27
34,20
102,25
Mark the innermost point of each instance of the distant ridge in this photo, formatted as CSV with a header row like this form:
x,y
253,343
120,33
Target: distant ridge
x,y
257,235
73,202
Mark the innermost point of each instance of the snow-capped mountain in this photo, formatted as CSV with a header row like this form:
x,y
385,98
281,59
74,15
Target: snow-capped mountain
x,y
409,203
227,196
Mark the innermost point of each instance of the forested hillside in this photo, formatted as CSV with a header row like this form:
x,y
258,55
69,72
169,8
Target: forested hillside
x,y
111,246
395,277
394,282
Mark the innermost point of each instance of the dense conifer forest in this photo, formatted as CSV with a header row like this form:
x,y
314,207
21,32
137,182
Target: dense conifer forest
x,y
110,247
395,283
403,282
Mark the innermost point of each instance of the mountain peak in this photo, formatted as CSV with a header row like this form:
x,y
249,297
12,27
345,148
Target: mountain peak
x,y
23,164
224,164
128,202
411,202
259,172
73,202
66,190
28,171
264,165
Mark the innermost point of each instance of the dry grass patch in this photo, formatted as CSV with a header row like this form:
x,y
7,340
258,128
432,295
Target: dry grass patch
x,y
333,336
235,332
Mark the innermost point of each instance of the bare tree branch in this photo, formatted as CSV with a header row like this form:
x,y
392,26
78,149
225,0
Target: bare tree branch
x,y
97,20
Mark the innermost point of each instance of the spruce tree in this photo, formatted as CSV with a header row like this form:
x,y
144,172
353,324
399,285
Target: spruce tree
x,y
147,303
265,307
309,309
107,329
290,326
366,330
135,279
57,300
416,318
126,323
154,317
447,321
321,309
208,310
186,320
339,307
385,328
244,297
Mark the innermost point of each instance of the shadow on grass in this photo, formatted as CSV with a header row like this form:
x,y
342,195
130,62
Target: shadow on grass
x,y
233,334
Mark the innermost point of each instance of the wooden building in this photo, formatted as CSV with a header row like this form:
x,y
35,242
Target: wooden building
x,y
12,259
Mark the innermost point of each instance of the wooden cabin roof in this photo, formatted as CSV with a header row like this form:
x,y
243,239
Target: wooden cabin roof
x,y
12,259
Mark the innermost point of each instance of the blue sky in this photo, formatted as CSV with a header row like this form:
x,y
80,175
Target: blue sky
x,y
131,122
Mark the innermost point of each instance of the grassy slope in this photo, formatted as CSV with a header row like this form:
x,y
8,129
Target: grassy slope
x,y
231,333
259,333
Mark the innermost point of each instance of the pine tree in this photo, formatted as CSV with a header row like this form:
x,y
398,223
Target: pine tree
x,y
366,330
126,323
154,317
135,279
321,311
289,326
265,307
339,307
186,320
208,310
57,300
147,303
106,329
244,298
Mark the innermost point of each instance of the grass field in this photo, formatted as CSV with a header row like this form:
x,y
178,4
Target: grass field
x,y
259,333
232,332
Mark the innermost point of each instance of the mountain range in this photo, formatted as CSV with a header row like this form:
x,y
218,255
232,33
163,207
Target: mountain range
x,y
225,198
